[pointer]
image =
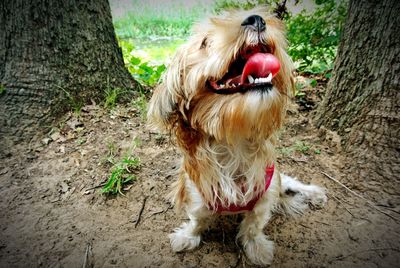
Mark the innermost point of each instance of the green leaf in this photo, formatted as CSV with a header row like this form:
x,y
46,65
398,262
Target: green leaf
x,y
313,83
134,60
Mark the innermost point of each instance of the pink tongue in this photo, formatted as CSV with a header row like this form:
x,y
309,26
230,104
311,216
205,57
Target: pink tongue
x,y
260,65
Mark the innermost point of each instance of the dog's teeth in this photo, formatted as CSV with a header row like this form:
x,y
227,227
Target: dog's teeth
x,y
251,79
257,80
222,86
269,78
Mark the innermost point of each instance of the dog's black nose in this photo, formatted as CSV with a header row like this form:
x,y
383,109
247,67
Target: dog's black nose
x,y
255,22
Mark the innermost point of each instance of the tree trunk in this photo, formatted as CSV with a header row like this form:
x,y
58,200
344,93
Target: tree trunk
x,y
363,97
53,54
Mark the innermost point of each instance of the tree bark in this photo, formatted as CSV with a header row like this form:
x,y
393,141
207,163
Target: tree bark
x,y
363,97
53,53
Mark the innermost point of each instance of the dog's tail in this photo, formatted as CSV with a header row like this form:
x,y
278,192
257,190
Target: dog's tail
x,y
295,197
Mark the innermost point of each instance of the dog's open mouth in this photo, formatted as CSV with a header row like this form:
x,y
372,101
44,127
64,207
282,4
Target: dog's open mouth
x,y
253,69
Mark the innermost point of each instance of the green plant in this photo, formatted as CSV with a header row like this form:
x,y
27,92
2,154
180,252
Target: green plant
x,y
298,87
301,147
2,89
121,175
314,37
285,151
111,97
141,104
80,141
144,72
112,149
73,102
121,171
221,5
313,82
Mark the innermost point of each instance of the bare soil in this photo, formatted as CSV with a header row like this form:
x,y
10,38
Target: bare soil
x,y
53,214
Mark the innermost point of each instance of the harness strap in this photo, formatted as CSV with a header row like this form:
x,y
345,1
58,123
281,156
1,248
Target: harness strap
x,y
269,173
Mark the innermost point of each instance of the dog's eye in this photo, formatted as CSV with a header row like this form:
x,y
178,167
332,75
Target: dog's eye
x,y
203,43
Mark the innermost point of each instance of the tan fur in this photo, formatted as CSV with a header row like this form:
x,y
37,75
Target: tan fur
x,y
184,105
226,140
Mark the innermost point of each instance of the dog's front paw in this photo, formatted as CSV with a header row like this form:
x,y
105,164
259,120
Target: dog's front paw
x,y
259,250
182,240
317,196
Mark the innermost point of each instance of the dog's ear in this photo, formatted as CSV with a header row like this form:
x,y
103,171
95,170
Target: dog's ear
x,y
160,109
163,106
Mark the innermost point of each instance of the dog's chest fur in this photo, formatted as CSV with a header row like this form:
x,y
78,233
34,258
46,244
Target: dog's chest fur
x,y
232,174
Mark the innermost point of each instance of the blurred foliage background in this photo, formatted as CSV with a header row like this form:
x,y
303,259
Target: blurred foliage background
x,y
149,31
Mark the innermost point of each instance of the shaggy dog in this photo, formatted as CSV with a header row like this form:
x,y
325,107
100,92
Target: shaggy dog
x,y
223,98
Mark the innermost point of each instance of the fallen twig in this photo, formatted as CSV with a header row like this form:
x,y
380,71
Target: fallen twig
x,y
140,212
389,208
95,187
362,251
159,212
305,226
322,222
372,204
297,160
86,261
340,201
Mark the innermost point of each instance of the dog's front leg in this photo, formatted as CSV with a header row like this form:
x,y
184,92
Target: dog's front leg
x,y
188,235
259,250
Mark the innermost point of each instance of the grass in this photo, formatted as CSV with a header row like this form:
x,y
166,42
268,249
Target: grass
x,y
152,30
111,97
152,19
121,170
141,104
74,103
300,147
121,175
112,148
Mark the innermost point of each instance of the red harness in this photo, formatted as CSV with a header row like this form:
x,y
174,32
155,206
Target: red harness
x,y
269,172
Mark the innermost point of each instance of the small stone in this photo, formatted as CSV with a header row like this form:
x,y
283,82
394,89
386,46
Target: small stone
x,y
46,141
55,136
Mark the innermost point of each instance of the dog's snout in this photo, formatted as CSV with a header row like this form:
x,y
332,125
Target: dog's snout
x,y
255,22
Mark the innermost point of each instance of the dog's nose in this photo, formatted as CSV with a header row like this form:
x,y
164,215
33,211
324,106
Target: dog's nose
x,y
255,22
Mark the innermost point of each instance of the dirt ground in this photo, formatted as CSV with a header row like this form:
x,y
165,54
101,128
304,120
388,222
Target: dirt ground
x,y
53,214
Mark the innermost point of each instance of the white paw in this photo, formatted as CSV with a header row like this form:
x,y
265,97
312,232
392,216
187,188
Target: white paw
x,y
316,196
259,250
182,240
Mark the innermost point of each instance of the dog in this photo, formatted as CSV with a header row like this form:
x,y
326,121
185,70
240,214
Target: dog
x,y
223,98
